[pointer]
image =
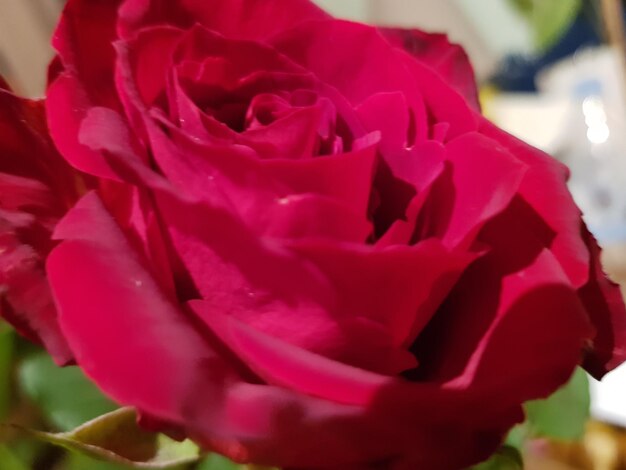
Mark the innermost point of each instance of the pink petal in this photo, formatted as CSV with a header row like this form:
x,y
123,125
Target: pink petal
x,y
460,205
520,322
84,40
26,299
3,84
99,316
399,287
67,105
544,189
434,50
443,102
36,187
238,18
604,302
327,176
291,367
326,48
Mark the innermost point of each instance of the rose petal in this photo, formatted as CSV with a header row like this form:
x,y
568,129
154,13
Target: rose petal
x,y
282,365
545,191
26,300
520,321
313,216
83,39
523,332
99,320
449,60
461,204
67,105
237,18
410,415
605,306
443,102
3,84
314,45
36,186
398,287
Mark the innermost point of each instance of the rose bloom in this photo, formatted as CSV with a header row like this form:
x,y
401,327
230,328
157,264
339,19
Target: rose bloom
x,y
303,245
36,188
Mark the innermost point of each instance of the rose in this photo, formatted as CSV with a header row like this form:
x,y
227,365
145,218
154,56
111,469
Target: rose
x,y
36,188
306,247
310,258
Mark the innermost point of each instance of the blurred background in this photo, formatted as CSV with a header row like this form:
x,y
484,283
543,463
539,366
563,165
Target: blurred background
x,y
550,71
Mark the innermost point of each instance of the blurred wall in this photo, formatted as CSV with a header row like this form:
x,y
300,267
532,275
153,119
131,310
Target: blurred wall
x,y
25,30
358,10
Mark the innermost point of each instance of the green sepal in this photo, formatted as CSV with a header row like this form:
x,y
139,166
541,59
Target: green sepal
x,y
116,438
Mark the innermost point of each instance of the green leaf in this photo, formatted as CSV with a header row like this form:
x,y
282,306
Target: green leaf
x,y
82,462
6,357
116,438
64,395
549,18
507,458
9,461
218,462
517,437
564,414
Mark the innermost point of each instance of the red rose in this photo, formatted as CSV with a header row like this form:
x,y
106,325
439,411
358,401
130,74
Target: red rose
x,y
36,188
307,248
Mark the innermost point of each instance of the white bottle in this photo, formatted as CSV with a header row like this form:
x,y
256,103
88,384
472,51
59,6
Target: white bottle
x,y
596,155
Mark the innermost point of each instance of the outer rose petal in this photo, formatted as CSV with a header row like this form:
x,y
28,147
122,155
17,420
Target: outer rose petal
x,y
67,106
460,348
254,19
131,297
208,398
545,192
605,307
84,40
4,85
544,189
409,415
449,60
36,187
529,293
26,299
27,151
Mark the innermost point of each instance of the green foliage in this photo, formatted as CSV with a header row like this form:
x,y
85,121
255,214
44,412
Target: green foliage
x,y
564,414
217,462
6,366
64,395
116,438
561,416
507,458
549,19
77,461
10,461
